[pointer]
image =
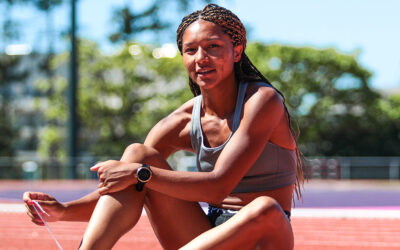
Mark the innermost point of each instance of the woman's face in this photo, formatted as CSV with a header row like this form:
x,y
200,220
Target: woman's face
x,y
208,54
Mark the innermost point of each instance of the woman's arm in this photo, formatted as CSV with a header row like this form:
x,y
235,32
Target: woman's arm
x,y
81,209
78,210
262,113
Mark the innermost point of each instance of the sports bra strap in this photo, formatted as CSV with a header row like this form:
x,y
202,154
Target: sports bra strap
x,y
239,105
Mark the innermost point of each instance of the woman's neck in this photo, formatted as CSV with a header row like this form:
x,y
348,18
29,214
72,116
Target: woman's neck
x,y
221,100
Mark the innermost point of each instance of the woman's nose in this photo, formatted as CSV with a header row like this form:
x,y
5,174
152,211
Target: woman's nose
x,y
201,55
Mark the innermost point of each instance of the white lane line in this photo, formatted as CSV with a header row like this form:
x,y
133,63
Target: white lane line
x,y
337,243
296,212
12,208
346,213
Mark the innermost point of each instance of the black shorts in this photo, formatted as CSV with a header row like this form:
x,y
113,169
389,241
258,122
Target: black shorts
x,y
217,215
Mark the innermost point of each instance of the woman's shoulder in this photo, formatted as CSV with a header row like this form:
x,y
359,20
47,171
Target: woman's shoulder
x,y
265,109
174,129
180,116
183,112
263,93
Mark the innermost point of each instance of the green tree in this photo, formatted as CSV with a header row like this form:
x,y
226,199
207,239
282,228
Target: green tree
x,y
123,95
47,7
388,117
328,93
9,74
120,98
130,22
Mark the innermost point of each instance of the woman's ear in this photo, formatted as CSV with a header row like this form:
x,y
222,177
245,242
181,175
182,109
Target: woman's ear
x,y
237,50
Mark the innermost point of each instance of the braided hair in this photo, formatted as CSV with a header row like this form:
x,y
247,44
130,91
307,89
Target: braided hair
x,y
244,69
233,27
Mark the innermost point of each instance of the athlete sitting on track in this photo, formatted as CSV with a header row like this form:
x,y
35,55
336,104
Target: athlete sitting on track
x,y
248,160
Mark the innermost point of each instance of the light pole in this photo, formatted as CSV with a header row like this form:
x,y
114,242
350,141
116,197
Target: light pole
x,y
73,82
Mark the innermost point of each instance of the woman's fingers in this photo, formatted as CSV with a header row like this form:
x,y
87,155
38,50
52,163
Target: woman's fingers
x,y
37,222
98,165
30,214
34,217
103,164
95,167
112,187
29,196
103,190
41,204
28,207
48,197
26,197
30,210
108,187
113,176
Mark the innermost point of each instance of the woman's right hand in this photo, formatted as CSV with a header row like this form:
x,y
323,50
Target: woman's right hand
x,y
54,209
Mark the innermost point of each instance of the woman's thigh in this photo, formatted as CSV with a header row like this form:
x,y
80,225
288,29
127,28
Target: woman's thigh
x,y
261,224
175,222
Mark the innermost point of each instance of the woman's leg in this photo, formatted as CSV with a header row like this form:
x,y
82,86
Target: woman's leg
x,y
175,222
261,224
114,215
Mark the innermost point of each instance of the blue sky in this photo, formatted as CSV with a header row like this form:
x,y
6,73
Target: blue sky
x,y
370,26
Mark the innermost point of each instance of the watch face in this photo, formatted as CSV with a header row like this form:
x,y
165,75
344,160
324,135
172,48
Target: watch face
x,y
144,174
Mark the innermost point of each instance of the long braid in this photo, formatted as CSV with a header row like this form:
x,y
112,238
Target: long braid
x,y
245,71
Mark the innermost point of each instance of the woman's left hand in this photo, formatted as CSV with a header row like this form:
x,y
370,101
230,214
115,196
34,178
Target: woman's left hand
x,y
115,176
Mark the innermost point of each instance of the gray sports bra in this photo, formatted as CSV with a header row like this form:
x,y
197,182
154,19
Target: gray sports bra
x,y
275,168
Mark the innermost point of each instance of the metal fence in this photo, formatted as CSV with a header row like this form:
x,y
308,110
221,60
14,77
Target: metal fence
x,y
29,168
353,167
316,167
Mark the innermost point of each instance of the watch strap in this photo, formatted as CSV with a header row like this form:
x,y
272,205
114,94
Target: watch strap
x,y
139,186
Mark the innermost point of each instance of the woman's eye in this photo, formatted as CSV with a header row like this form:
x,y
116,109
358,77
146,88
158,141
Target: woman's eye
x,y
213,46
190,50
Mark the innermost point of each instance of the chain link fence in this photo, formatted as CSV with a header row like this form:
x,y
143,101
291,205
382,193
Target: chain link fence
x,y
29,168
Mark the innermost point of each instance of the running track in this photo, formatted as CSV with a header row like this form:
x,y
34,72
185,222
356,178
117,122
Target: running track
x,y
374,225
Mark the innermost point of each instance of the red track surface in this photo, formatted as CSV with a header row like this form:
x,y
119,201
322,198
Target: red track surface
x,y
17,232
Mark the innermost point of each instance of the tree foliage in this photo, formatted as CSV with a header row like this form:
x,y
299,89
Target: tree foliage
x,y
9,74
12,73
120,98
130,22
123,95
328,93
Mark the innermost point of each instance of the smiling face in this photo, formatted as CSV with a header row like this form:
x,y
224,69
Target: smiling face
x,y
209,55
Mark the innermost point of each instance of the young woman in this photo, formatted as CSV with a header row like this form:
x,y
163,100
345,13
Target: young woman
x,y
247,157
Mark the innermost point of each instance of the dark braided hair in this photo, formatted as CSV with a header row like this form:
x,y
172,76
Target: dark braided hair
x,y
244,69
233,27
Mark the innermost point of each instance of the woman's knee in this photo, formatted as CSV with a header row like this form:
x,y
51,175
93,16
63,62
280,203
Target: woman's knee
x,y
140,153
137,152
269,215
135,149
265,210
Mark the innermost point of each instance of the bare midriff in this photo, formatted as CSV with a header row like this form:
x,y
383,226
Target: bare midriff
x,y
236,201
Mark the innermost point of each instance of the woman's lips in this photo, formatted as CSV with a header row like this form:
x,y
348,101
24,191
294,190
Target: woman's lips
x,y
204,72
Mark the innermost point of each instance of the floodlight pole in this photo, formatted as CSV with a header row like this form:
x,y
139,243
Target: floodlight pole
x,y
73,82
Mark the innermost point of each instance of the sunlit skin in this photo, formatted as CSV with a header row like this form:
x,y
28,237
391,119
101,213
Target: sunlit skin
x,y
171,197
209,55
206,48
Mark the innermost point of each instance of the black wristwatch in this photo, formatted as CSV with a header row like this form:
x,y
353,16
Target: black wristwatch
x,y
143,175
